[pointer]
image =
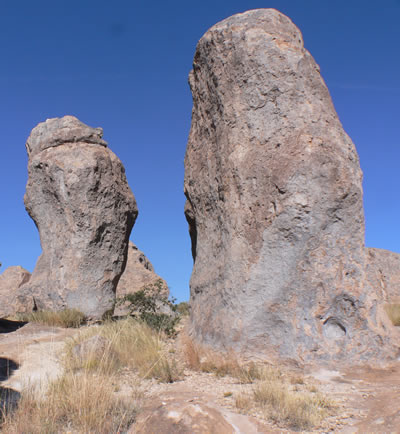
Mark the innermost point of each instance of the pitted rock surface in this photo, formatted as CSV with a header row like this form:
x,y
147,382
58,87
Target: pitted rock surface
x,y
78,196
274,202
139,273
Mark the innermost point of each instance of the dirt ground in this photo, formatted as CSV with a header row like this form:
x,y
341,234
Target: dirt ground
x,y
367,399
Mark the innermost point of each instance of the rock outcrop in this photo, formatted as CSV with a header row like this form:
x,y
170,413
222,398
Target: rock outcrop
x,y
383,274
139,273
11,280
80,201
274,201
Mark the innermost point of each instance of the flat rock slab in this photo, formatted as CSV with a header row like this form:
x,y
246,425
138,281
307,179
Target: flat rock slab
x,y
33,353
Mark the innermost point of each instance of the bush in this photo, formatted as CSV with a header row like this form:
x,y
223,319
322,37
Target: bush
x,y
152,307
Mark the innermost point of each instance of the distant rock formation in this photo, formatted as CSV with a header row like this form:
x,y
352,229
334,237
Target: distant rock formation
x,y
11,280
80,201
274,202
139,273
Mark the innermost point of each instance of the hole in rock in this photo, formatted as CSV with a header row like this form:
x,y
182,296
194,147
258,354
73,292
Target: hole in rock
x,y
334,329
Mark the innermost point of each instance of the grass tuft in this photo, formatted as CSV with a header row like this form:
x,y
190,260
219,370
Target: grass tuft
x,y
77,402
130,343
67,318
297,409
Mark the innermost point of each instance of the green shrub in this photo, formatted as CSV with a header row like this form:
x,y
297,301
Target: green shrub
x,y
147,305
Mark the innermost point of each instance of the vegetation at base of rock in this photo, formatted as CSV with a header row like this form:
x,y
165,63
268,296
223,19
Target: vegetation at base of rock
x,y
283,399
204,359
68,318
131,344
393,312
152,307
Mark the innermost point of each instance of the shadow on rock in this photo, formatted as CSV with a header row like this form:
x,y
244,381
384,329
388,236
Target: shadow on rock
x,y
8,399
8,326
7,367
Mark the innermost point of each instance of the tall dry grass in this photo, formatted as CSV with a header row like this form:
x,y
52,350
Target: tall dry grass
x,y
85,399
132,344
68,318
78,403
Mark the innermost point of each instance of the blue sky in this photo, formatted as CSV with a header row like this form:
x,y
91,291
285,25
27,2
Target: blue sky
x,y
123,65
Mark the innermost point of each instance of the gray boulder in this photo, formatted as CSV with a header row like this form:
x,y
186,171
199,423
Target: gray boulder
x,y
81,203
274,202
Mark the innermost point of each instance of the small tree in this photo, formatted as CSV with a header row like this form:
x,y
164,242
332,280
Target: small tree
x,y
150,305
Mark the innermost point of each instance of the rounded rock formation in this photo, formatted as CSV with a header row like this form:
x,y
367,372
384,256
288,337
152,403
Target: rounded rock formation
x,y
78,196
274,201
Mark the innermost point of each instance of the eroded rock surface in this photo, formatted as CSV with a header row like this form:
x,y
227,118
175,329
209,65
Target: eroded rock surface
x,y
274,201
11,280
79,199
139,273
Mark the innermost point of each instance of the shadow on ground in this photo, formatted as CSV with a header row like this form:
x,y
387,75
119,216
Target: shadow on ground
x,y
8,397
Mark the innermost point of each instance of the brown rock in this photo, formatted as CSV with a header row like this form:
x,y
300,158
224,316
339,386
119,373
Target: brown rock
x,y
139,273
11,279
183,418
274,201
79,198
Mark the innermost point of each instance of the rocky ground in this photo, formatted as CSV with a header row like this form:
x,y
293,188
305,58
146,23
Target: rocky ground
x,y
366,399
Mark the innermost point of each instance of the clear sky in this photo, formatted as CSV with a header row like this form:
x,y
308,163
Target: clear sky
x,y
123,65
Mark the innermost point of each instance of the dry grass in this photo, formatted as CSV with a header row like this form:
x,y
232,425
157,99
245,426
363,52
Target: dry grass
x,y
77,402
131,344
297,409
202,359
281,398
283,404
393,312
67,318
86,398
